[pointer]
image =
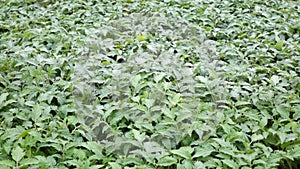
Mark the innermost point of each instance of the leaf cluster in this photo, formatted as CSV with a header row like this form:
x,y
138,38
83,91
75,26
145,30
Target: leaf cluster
x,y
149,84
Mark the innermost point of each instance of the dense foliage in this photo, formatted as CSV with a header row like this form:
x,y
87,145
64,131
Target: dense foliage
x,y
149,84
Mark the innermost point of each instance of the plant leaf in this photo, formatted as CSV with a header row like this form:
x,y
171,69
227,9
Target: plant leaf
x,y
17,153
135,80
185,152
115,165
9,163
166,161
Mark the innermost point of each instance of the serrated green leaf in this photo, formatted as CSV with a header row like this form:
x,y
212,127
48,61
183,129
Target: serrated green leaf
x,y
279,45
28,161
73,162
242,103
230,163
166,161
17,153
168,113
199,165
136,99
36,112
138,136
94,147
295,152
72,120
57,146
259,162
175,99
283,110
282,137
226,128
188,164
149,102
152,48
141,107
185,152
275,79
180,166
78,153
141,37
135,80
264,121
8,102
8,163
96,166
256,137
203,152
167,143
3,97
159,77
202,79
152,147
115,165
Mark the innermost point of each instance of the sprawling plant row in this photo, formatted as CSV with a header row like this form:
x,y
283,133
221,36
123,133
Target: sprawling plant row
x,y
149,84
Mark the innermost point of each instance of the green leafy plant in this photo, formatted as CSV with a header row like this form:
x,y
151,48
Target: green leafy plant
x,y
149,84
